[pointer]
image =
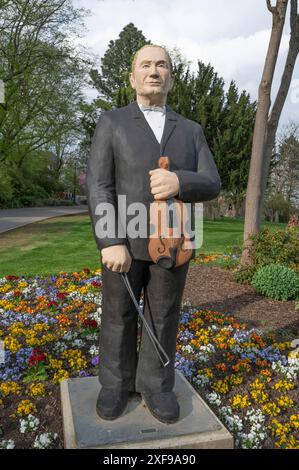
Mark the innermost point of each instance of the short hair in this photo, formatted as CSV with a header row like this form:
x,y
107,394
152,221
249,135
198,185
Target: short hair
x,y
151,45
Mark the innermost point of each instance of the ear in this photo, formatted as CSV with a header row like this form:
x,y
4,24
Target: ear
x,y
132,81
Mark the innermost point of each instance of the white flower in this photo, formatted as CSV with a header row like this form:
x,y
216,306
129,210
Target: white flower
x,y
188,348
92,337
43,441
290,370
70,336
201,380
78,343
255,416
60,346
96,316
94,350
209,348
7,444
233,422
30,424
214,398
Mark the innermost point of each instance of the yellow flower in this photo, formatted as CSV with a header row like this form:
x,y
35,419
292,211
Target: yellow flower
x,y
294,419
278,429
240,401
71,288
55,363
38,327
33,342
36,390
12,344
6,305
10,388
257,385
49,338
22,284
235,379
259,396
208,373
60,375
5,288
271,409
25,407
287,442
75,359
285,402
283,386
220,386
16,328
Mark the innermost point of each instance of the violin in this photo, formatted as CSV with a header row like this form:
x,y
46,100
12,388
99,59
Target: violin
x,y
170,244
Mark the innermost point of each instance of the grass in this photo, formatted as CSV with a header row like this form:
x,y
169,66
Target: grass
x,y
67,244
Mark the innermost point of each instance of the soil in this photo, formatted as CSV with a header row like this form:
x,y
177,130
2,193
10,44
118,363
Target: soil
x,y
213,288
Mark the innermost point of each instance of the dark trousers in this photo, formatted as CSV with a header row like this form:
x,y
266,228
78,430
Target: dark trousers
x,y
120,365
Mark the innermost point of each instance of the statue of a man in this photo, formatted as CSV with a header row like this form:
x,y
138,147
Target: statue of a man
x,y
123,161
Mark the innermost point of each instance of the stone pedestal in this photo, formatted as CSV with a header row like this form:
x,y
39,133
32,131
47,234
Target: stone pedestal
x,y
197,428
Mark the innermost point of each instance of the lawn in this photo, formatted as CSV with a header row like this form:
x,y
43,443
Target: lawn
x,y
67,244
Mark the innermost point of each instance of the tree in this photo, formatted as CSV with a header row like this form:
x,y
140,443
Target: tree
x,y
266,122
284,174
113,81
43,76
232,142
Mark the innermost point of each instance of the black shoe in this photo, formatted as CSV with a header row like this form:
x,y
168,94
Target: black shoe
x,y
111,403
163,406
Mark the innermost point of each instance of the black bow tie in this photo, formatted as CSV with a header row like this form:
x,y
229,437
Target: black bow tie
x,y
153,108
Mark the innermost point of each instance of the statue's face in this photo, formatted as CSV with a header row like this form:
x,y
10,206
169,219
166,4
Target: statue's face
x,y
151,77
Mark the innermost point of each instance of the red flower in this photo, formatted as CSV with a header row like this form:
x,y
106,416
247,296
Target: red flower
x,y
36,356
86,270
10,277
62,295
96,283
90,323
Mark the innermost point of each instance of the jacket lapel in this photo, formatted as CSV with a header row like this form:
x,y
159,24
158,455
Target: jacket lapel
x,y
170,124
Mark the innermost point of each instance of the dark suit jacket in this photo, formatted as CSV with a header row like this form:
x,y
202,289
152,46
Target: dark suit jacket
x,y
124,149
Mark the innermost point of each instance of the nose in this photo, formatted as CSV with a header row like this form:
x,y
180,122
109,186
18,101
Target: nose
x,y
153,71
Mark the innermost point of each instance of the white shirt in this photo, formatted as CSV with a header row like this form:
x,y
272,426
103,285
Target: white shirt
x,y
156,119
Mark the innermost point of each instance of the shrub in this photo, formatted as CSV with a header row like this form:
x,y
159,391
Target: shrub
x,y
52,202
276,281
243,275
277,247
271,247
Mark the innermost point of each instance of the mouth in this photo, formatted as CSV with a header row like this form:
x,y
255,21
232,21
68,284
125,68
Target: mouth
x,y
154,83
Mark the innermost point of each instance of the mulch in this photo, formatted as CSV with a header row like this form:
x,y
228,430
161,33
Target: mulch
x,y
213,288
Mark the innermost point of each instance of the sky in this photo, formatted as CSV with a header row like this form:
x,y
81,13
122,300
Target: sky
x,y
231,35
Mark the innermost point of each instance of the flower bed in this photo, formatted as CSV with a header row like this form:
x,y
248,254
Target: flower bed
x,y
50,327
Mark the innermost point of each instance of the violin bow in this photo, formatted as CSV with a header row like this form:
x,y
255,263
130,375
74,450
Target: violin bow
x,y
153,338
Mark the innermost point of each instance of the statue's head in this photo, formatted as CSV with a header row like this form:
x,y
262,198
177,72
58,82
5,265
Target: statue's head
x,y
152,74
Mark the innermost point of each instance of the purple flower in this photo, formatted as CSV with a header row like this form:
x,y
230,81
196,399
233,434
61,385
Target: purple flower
x,y
95,360
83,373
